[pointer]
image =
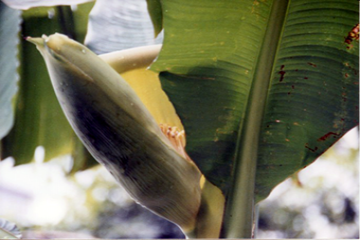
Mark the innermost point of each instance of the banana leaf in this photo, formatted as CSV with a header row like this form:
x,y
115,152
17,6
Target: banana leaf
x,y
267,82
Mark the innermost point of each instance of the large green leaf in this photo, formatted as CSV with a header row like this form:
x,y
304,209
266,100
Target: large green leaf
x,y
9,29
218,56
207,71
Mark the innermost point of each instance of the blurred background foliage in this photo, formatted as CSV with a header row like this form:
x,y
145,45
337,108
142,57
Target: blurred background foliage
x,y
39,120
50,198
321,201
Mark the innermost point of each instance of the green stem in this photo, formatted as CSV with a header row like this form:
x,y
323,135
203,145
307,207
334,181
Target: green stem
x,y
238,220
67,23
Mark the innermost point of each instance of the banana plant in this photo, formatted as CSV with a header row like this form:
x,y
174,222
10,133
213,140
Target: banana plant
x,y
262,88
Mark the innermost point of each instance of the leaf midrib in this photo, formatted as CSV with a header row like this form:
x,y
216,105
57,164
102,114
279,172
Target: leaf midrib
x,y
239,210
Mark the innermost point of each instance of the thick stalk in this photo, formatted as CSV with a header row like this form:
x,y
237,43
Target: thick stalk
x,y
238,219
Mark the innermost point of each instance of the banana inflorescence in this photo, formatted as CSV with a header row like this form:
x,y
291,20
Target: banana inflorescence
x,y
123,135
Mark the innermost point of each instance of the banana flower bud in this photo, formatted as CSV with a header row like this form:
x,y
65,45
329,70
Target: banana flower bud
x,y
120,132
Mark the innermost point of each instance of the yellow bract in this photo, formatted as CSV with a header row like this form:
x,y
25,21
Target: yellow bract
x,y
132,65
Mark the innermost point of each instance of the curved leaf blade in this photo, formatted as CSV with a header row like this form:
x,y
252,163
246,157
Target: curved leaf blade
x,y
155,11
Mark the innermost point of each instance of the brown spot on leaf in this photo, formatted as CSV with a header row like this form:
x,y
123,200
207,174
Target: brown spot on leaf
x,y
352,35
282,73
311,149
328,135
312,64
306,78
344,98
